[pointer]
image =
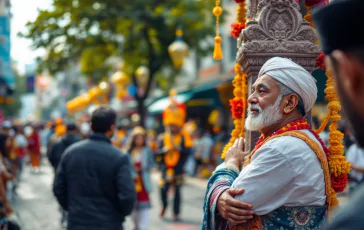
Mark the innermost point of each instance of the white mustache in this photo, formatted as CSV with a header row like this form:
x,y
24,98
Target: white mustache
x,y
254,106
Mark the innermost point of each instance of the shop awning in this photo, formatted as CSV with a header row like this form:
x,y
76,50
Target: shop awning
x,y
207,86
159,105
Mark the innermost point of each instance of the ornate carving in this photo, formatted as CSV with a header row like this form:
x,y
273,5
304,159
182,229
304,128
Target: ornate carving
x,y
252,8
305,34
306,63
278,28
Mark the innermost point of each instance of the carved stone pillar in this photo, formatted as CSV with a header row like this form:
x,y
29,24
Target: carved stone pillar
x,y
276,28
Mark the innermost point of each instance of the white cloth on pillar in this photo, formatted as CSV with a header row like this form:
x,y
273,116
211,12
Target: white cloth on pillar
x,y
285,171
294,77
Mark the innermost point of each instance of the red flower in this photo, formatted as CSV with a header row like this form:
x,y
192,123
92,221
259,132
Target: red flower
x,y
236,29
314,2
320,61
239,1
237,108
339,183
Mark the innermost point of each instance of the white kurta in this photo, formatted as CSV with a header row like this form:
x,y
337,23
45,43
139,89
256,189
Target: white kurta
x,y
285,171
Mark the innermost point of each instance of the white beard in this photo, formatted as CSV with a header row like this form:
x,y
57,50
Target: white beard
x,y
265,118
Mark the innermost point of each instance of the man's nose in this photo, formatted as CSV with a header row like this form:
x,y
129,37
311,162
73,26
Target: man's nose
x,y
252,99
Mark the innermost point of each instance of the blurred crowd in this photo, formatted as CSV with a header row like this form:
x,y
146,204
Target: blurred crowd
x,y
25,145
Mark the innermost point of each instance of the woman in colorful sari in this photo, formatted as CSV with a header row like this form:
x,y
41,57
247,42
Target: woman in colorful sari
x,y
142,160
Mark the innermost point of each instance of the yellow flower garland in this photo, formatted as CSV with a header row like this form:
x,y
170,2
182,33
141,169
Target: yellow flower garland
x,y
241,12
338,164
308,16
240,87
240,93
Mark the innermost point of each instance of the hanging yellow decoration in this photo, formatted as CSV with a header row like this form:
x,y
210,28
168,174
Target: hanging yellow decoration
x,y
217,11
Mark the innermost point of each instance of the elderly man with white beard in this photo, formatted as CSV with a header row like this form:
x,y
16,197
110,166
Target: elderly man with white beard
x,y
284,182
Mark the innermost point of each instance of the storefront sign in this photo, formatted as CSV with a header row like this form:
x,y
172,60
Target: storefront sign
x,y
210,73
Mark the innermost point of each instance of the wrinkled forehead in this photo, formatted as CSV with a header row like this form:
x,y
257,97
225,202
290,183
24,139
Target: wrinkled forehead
x,y
265,81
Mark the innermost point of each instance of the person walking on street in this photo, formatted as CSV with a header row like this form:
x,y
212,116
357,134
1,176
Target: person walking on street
x,y
174,148
142,158
93,180
355,155
203,152
21,148
34,149
71,137
341,31
55,155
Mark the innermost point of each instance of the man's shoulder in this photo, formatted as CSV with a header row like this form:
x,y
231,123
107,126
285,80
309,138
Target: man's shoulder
x,y
91,144
77,144
57,144
292,148
290,142
109,151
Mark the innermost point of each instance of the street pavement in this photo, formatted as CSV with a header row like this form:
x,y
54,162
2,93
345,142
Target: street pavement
x,y
37,209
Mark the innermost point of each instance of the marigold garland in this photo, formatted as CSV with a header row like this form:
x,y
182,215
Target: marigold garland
x,y
320,61
240,91
339,167
309,5
237,108
339,183
237,27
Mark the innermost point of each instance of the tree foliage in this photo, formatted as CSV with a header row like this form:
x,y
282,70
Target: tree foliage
x,y
88,30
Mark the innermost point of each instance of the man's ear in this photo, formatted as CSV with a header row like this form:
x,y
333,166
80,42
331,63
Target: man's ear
x,y
290,103
347,70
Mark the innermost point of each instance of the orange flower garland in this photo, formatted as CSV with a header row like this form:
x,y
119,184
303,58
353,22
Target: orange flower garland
x,y
237,108
239,83
237,27
339,167
320,61
309,4
308,16
240,90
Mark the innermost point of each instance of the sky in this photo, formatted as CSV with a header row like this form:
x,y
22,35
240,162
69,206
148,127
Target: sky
x,y
24,11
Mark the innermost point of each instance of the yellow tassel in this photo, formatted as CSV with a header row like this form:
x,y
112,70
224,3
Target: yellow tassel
x,y
218,49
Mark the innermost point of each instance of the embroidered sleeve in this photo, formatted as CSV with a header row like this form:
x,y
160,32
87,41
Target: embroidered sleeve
x,y
220,181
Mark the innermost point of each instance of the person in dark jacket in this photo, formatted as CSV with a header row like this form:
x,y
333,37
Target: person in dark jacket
x,y
341,30
60,146
93,180
57,150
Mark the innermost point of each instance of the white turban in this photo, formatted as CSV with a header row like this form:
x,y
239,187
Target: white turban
x,y
294,77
